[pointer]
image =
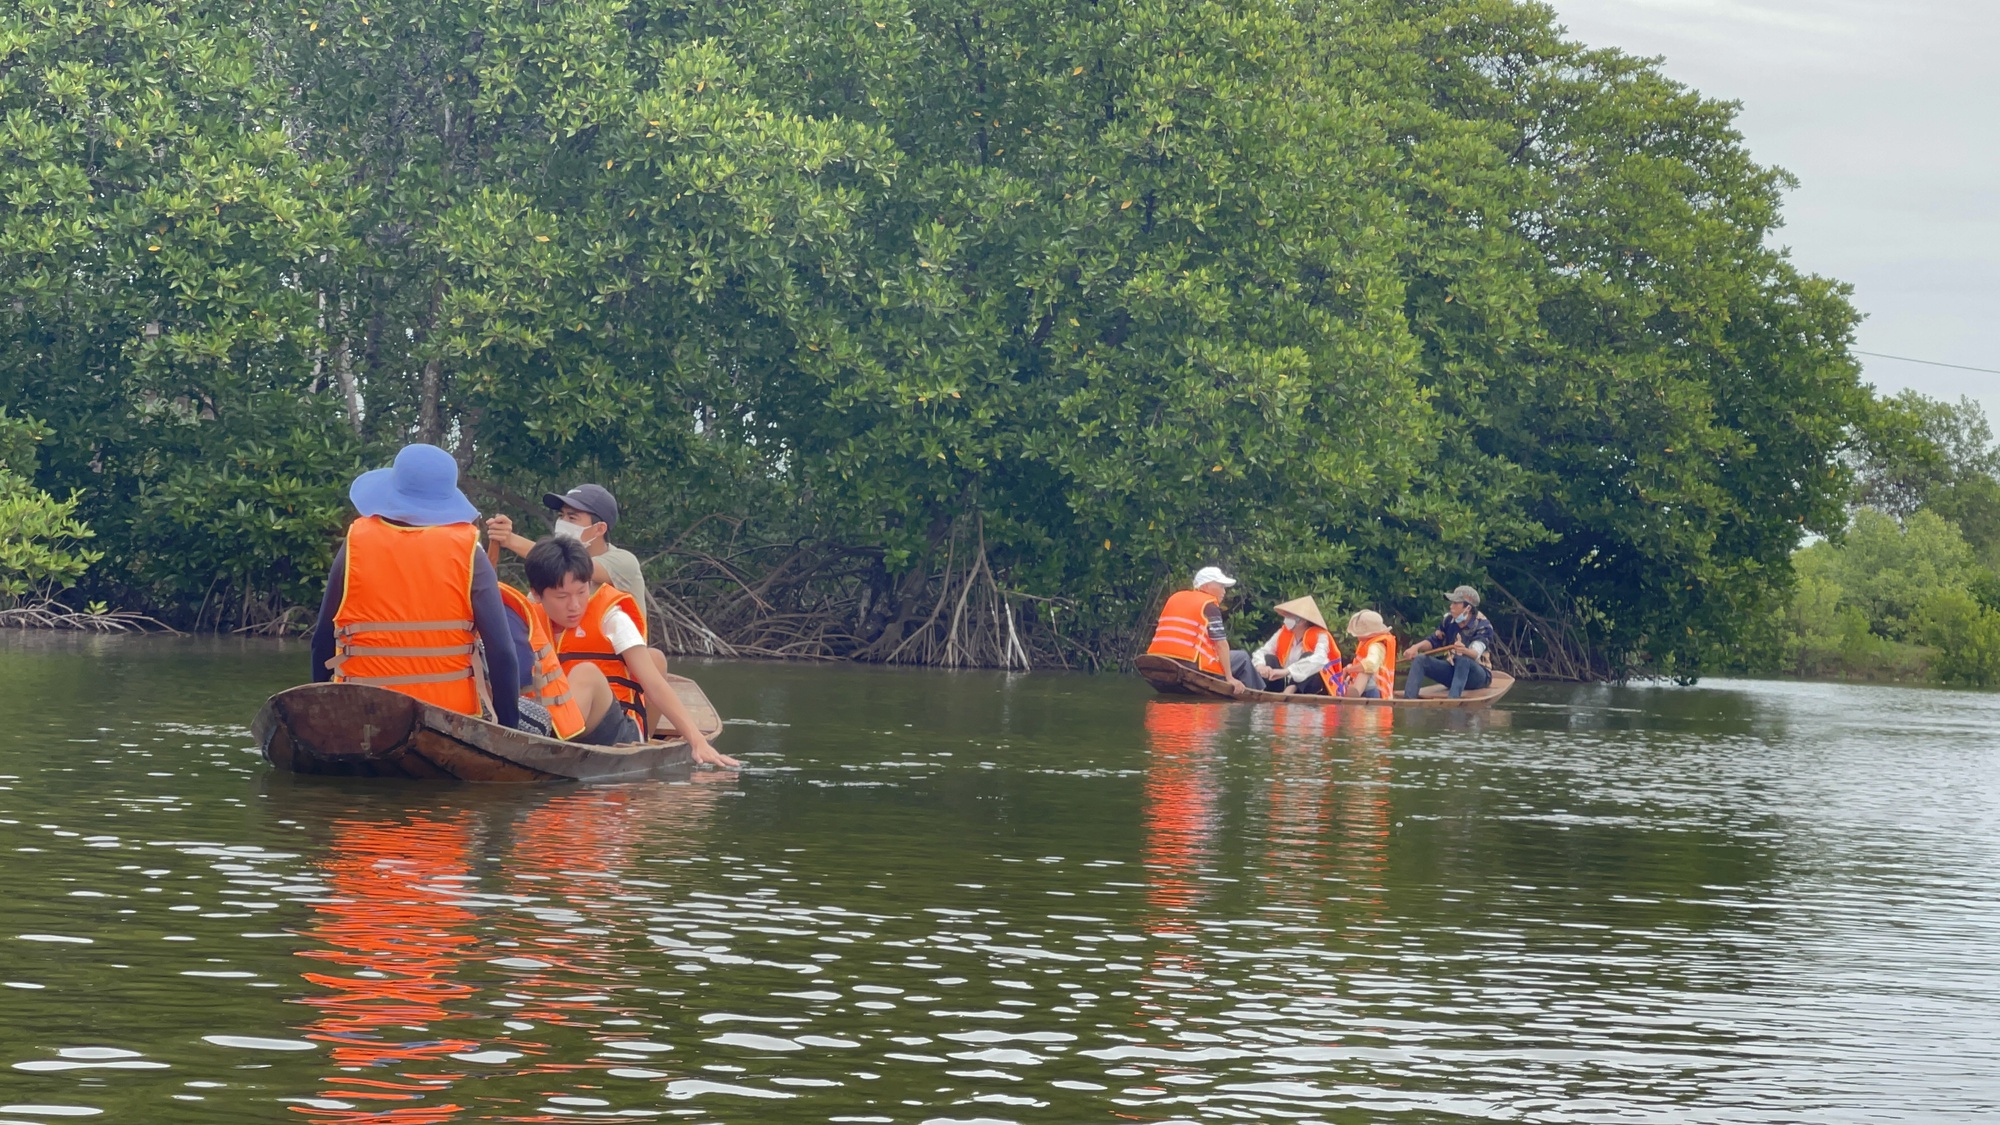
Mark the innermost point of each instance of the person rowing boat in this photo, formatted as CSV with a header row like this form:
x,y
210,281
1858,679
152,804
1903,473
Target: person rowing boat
x,y
1465,643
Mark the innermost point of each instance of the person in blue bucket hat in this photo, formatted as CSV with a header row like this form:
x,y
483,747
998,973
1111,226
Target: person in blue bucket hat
x,y
420,489
410,592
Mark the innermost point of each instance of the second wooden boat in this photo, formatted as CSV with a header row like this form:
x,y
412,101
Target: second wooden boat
x,y
1171,677
353,730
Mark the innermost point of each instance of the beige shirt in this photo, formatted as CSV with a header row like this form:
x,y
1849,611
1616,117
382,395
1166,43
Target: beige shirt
x,y
623,567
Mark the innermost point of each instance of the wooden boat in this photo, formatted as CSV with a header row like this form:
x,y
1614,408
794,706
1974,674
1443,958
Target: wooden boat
x,y
1171,677
353,730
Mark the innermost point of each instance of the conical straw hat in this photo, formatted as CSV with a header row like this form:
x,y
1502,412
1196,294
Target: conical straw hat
x,y
1305,607
1367,623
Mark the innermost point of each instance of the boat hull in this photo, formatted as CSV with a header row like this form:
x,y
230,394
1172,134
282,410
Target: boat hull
x,y
1171,677
353,730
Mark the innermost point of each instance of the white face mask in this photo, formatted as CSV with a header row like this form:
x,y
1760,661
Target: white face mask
x,y
1291,623
1463,617
567,530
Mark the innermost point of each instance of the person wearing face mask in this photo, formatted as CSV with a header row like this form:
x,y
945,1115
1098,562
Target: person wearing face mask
x,y
586,513
1300,658
1463,645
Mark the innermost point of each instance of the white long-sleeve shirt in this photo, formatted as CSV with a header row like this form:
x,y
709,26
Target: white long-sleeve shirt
x,y
1305,667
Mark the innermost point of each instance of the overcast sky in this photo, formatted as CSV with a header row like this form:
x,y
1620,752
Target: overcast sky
x,y
1888,112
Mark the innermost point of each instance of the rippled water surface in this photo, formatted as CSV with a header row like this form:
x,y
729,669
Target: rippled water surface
x,y
977,898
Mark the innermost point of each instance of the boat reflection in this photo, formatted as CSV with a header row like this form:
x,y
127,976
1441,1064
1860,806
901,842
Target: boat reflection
x,y
1182,742
570,863
1181,823
435,979
1365,816
1295,849
390,919
1314,837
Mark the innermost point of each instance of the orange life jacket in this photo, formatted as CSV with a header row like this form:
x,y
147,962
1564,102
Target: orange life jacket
x,y
1292,649
1183,631
548,684
405,616
1385,676
586,643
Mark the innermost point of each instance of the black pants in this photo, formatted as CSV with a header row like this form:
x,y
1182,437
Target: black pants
x,y
1313,686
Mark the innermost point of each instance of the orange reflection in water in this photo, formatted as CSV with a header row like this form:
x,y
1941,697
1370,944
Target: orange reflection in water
x,y
388,915
392,914
1181,816
573,855
1362,801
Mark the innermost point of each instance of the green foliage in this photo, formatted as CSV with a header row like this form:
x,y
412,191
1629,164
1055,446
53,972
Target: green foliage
x,y
154,256
1914,447
1909,590
249,533
1918,452
18,439
1645,400
1888,601
1363,298
38,541
1966,634
39,535
1887,571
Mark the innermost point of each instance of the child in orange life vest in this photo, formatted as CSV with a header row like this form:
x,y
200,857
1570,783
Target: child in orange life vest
x,y
1372,672
559,573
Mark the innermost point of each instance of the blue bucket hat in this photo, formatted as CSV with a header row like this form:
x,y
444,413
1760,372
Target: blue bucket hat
x,y
421,489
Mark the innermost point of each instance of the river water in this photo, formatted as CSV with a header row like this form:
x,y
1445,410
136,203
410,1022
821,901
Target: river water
x,y
973,897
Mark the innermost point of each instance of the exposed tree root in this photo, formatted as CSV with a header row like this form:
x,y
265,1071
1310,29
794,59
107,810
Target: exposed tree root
x,y
820,601
55,615
1537,646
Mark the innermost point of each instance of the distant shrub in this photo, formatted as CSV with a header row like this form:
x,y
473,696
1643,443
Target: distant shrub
x,y
1966,635
39,534
1888,569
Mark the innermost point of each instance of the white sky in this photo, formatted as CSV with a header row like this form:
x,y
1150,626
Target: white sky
x,y
1888,112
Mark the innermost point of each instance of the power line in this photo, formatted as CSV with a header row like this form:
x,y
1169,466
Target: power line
x,y
1929,362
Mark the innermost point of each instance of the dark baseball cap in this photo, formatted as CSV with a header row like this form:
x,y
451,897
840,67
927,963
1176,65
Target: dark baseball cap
x,y
592,498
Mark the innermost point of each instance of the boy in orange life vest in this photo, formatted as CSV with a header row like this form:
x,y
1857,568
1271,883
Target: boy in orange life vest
x,y
575,705
409,591
596,628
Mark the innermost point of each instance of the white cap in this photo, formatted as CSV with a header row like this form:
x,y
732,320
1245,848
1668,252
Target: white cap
x,y
1214,574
